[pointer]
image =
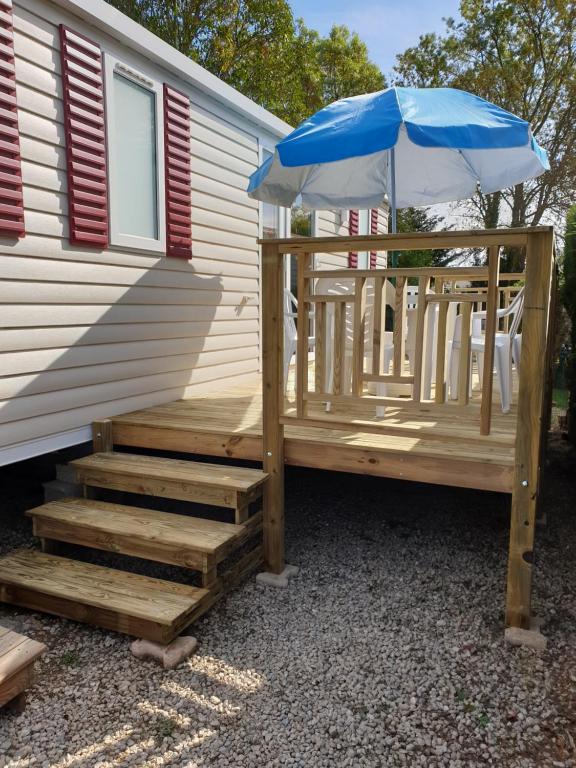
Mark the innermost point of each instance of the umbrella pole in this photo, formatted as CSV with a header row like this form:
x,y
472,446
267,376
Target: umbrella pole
x,y
394,255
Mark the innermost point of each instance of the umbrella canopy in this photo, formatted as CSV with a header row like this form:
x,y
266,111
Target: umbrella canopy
x,y
417,146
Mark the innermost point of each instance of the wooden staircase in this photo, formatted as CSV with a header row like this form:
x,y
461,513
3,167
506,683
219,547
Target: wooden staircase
x,y
155,609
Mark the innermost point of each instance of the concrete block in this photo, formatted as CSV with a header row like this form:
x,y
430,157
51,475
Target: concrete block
x,y
529,638
277,579
66,473
168,655
58,489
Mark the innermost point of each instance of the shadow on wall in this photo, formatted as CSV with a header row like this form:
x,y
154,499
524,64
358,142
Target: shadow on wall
x,y
101,339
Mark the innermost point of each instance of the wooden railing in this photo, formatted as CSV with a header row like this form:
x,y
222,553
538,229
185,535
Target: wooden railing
x,y
364,326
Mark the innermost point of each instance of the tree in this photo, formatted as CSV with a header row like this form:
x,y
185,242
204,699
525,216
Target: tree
x,y
520,54
346,69
420,220
569,301
257,47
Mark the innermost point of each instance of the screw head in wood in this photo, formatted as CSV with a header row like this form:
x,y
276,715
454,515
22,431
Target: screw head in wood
x,y
268,453
525,483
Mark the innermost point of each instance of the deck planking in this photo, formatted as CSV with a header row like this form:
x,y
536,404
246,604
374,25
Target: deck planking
x,y
441,445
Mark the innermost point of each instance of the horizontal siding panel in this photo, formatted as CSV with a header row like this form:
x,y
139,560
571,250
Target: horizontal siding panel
x,y
228,147
221,191
201,116
35,27
29,429
225,223
13,340
28,316
33,76
39,103
219,237
224,206
29,406
38,127
70,293
203,167
43,153
53,248
213,156
40,176
31,49
39,360
15,387
13,267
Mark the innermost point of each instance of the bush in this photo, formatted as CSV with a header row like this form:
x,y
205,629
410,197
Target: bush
x,y
569,301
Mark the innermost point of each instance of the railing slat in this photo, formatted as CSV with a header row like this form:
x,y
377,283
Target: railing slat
x,y
464,358
423,285
378,325
320,347
399,331
302,339
489,339
339,355
358,337
440,385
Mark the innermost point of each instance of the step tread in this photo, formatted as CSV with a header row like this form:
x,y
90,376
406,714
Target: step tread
x,y
141,597
180,531
242,479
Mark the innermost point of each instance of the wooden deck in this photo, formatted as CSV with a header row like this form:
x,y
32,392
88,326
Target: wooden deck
x,y
422,444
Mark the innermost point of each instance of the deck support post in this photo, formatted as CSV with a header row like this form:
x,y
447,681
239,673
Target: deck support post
x,y
102,441
272,323
531,402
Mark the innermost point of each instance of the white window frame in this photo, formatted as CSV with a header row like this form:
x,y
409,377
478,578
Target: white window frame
x,y
117,238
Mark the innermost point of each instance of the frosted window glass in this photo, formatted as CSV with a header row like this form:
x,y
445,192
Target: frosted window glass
x,y
135,174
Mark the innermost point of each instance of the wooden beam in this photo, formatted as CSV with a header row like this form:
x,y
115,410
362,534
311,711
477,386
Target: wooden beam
x,y
273,405
102,441
539,258
489,340
479,238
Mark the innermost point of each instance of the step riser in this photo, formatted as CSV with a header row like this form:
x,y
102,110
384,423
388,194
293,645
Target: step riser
x,y
149,487
101,617
146,549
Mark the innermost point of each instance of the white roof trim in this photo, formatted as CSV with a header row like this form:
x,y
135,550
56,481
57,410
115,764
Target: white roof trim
x,y
103,16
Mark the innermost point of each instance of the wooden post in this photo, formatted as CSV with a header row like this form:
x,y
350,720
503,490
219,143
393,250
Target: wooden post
x,y
539,256
102,436
272,321
378,326
489,339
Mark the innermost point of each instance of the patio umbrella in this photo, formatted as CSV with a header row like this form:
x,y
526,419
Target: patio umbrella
x,y
413,146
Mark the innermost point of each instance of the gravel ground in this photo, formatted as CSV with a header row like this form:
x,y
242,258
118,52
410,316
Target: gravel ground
x,y
386,650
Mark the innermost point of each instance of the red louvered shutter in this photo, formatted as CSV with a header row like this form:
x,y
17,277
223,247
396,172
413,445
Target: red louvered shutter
x,y
373,231
353,222
11,202
177,174
85,131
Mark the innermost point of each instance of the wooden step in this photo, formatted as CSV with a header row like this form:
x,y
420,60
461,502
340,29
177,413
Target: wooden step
x,y
124,602
17,656
164,537
214,484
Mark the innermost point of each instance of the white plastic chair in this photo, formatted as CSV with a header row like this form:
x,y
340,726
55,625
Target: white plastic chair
x,y
507,348
290,332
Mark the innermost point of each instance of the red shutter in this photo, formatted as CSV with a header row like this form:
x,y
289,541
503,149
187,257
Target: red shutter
x,y
11,203
353,221
85,132
373,231
177,174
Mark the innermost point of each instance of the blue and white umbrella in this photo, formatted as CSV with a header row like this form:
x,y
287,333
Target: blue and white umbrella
x,y
411,146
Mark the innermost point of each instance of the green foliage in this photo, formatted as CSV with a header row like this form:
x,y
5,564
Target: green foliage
x,y
569,301
420,220
520,54
164,729
69,659
259,48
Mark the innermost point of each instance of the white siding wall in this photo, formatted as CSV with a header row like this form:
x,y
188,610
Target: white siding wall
x,y
87,334
330,223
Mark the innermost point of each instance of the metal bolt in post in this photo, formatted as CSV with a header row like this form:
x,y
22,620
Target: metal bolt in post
x,y
525,483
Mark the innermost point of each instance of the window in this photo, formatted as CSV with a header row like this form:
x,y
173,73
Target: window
x,y
136,163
